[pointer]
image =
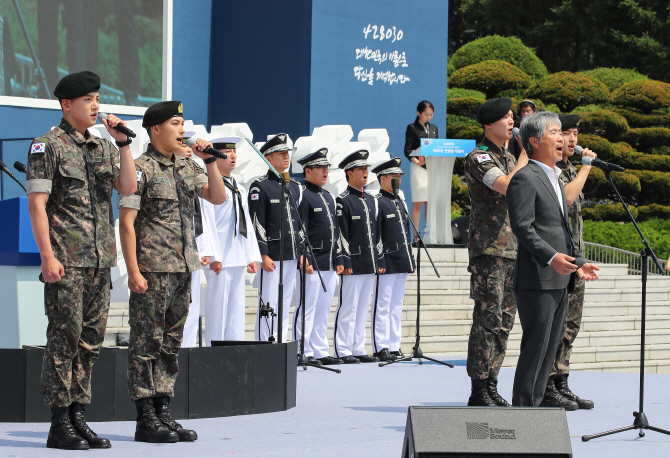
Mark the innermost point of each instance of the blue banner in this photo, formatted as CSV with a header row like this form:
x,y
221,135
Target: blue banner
x,y
445,147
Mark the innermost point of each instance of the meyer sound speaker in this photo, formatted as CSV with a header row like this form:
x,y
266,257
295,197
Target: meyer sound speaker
x,y
440,432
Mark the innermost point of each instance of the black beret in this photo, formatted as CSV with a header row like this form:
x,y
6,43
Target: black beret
x,y
276,143
77,84
389,167
569,121
493,110
160,112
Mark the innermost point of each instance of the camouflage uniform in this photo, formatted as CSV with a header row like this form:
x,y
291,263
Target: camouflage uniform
x,y
166,256
573,320
492,253
78,173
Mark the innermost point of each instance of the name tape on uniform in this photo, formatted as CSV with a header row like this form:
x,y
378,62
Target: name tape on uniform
x,y
483,158
274,201
391,215
37,148
355,217
318,209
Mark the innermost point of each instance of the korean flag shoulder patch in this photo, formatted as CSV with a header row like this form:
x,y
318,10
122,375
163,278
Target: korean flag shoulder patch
x,y
37,148
483,158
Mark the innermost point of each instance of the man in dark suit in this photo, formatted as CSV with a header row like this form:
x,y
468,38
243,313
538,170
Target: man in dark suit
x,y
547,259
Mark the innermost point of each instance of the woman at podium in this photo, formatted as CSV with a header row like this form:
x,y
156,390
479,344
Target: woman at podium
x,y
420,128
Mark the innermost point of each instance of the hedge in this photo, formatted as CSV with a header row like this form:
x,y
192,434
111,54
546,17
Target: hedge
x,y
623,154
569,90
464,106
625,237
636,118
644,95
604,123
614,78
462,127
460,195
509,49
588,108
457,92
646,212
655,187
645,138
596,185
610,212
490,77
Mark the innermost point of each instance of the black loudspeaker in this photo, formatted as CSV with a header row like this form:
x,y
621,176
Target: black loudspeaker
x,y
510,432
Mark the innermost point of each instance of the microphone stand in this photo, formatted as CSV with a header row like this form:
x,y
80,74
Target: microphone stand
x,y
416,350
38,71
640,421
307,251
4,168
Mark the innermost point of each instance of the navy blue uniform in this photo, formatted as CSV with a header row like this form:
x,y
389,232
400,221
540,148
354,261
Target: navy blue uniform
x,y
265,208
317,211
396,235
359,232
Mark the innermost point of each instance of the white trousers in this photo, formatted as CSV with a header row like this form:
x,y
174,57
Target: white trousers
x,y
224,304
352,314
317,312
270,289
386,311
191,325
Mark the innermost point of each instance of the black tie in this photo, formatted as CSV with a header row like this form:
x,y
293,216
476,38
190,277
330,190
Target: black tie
x,y
197,217
232,185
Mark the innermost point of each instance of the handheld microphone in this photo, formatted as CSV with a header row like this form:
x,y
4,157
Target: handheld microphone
x,y
121,128
20,167
395,184
209,150
515,132
4,168
606,166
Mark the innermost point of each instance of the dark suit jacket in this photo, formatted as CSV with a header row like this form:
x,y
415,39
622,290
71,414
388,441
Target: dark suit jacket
x,y
541,229
413,135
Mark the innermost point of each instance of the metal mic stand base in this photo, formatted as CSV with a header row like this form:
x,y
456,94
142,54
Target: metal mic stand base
x,y
304,362
416,353
640,423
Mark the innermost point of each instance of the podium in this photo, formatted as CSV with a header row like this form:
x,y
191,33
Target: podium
x,y
22,318
440,156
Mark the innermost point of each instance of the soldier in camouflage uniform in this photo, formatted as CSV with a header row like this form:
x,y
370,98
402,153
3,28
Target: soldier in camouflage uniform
x,y
69,180
157,237
491,249
558,390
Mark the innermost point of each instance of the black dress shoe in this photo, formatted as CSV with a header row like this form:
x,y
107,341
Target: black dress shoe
x,y
367,359
480,397
561,382
330,361
492,385
77,419
552,398
149,428
349,359
385,355
314,361
62,433
162,406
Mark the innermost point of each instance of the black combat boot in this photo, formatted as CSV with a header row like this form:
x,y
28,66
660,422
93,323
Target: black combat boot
x,y
480,394
552,398
77,419
561,382
62,434
149,428
492,385
162,406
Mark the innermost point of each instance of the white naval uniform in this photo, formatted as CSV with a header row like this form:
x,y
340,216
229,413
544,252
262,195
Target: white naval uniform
x,y
317,305
225,297
386,321
191,325
352,314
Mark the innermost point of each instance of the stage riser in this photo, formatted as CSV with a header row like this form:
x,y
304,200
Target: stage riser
x,y
212,382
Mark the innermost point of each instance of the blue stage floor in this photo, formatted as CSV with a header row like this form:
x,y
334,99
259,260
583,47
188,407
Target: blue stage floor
x,y
362,413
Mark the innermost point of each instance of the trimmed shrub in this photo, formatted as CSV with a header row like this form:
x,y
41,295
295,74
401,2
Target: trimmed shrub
x,y
490,77
552,107
509,49
646,138
569,90
602,147
465,132
644,95
450,67
613,78
460,195
625,237
597,186
646,212
604,123
609,212
457,92
464,106
623,154
636,118
455,119
588,108
655,187
660,150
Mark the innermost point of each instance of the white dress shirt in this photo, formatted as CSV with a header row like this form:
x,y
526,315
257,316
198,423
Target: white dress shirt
x,y
553,174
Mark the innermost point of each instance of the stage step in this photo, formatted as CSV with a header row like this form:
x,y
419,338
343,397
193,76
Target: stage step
x,y
609,338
